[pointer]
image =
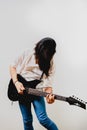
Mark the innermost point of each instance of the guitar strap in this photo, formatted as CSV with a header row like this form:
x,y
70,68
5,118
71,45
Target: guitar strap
x,y
41,75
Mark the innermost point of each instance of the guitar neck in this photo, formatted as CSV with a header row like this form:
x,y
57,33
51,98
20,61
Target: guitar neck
x,y
71,100
62,98
44,94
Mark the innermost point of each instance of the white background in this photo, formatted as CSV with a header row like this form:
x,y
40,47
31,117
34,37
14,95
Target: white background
x,y
25,22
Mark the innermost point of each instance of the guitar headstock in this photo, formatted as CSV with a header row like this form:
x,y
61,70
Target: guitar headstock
x,y
72,100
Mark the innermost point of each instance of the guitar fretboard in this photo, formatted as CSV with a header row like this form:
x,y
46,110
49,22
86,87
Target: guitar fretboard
x,y
44,94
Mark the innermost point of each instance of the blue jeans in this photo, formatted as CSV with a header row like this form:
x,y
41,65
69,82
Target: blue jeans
x,y
40,110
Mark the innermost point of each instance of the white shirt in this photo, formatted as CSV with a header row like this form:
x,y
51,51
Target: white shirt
x,y
26,66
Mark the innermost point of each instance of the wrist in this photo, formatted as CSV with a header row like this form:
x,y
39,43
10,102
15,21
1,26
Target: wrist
x,y
15,82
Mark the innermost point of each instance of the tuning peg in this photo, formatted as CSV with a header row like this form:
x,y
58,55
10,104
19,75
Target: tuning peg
x,y
72,95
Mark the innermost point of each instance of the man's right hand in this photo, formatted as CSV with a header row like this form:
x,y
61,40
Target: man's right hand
x,y
19,86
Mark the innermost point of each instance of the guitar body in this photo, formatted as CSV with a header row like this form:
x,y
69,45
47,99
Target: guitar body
x,y
13,95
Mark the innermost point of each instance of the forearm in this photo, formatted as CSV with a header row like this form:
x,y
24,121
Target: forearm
x,y
13,74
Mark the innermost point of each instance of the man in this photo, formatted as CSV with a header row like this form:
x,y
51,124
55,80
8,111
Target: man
x,y
31,66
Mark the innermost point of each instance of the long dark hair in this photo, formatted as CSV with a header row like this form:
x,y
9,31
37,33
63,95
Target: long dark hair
x,y
44,51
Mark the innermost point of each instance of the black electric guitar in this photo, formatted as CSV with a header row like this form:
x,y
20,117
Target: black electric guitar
x,y
30,93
